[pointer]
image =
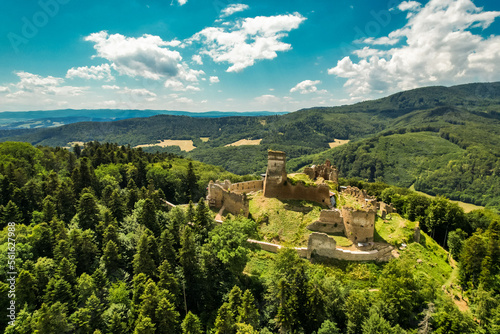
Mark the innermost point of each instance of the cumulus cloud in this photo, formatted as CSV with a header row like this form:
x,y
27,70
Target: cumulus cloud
x,y
178,86
33,83
101,72
266,99
306,87
197,59
242,43
214,79
4,89
141,92
182,2
184,100
147,56
436,46
234,8
112,87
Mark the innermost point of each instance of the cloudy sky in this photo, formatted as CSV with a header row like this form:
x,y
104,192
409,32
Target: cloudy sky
x,y
201,55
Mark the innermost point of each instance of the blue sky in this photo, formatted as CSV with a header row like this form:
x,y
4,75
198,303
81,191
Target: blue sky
x,y
200,55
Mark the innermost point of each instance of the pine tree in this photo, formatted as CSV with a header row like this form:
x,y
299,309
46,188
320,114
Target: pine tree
x,y
51,319
11,213
202,220
224,323
167,317
111,258
248,312
167,251
375,324
167,279
144,261
88,212
49,210
148,218
117,206
191,324
26,290
328,327
144,326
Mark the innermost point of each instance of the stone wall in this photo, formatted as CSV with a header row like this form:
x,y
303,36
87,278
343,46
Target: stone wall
x,y
276,170
218,197
326,171
385,209
330,221
319,193
246,187
322,245
359,224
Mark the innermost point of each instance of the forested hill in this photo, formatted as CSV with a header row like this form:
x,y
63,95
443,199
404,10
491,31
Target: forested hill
x,y
443,140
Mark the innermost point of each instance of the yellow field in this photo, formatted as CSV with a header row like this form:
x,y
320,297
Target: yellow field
x,y
245,142
184,145
204,139
338,142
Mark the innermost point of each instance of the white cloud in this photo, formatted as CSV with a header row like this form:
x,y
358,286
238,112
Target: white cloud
x,y
112,87
140,92
4,89
214,79
178,86
184,100
242,43
409,6
182,2
146,56
36,84
266,99
101,72
306,87
438,47
197,59
234,8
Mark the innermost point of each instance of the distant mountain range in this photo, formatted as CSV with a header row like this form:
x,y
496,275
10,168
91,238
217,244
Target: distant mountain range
x,y
10,120
441,140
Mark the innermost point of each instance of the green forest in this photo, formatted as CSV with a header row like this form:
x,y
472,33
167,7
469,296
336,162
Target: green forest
x,y
99,250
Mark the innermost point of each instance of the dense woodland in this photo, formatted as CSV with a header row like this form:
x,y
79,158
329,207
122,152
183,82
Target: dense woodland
x,y
98,251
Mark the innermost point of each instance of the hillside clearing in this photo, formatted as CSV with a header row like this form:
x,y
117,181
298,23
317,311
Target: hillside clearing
x,y
242,142
184,145
338,142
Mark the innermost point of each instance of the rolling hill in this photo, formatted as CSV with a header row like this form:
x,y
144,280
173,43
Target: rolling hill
x,y
442,140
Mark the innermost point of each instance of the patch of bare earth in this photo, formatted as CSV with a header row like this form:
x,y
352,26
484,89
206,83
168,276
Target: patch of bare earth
x,y
184,145
338,142
242,142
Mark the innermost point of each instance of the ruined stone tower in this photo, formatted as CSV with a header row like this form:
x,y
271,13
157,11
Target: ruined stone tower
x,y
276,173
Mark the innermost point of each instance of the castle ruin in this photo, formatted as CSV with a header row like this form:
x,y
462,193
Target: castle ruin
x,y
358,225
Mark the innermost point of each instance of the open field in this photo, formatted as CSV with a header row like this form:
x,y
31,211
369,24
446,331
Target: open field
x,y
242,142
184,145
338,142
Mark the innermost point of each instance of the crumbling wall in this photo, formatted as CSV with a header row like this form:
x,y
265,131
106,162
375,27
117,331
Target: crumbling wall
x,y
219,197
330,221
319,193
359,224
322,245
326,171
385,209
246,187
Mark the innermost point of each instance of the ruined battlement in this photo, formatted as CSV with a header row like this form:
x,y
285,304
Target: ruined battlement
x,y
219,196
359,224
325,171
